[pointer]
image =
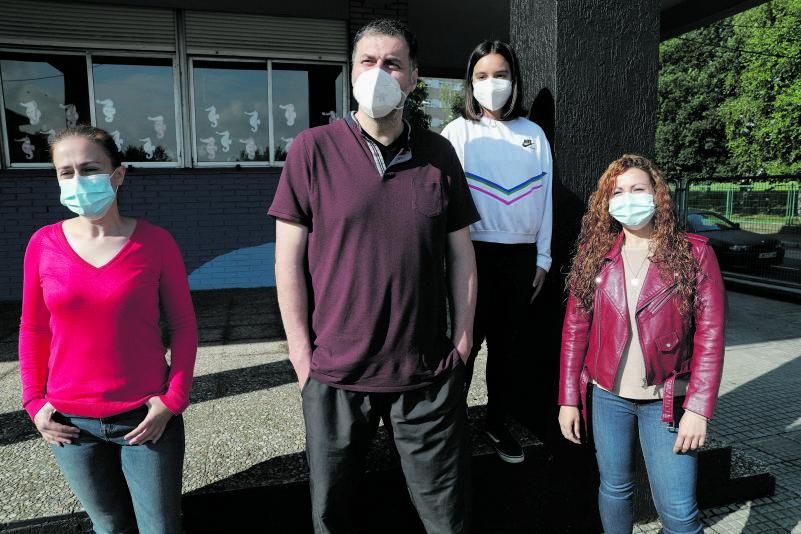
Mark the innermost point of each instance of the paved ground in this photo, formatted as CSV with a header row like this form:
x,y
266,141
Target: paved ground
x,y
244,426
759,412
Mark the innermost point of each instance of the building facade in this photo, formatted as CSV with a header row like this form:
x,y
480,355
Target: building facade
x,y
203,99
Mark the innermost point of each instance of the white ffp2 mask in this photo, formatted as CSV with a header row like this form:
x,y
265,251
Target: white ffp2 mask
x,y
492,93
377,93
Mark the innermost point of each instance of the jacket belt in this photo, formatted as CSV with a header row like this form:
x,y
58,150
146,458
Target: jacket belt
x,y
667,398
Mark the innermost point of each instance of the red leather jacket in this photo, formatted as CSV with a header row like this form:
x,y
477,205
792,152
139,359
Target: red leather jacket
x,y
673,345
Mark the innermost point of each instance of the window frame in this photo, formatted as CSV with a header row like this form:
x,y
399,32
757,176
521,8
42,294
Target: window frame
x,y
249,58
88,55
179,133
193,115
184,108
345,92
5,161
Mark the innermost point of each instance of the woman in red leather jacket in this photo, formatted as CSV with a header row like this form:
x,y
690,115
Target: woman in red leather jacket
x,y
643,329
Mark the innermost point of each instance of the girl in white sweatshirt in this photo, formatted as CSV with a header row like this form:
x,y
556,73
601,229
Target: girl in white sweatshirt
x,y
507,161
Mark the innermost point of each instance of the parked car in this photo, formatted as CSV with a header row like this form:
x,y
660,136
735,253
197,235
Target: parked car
x,y
735,248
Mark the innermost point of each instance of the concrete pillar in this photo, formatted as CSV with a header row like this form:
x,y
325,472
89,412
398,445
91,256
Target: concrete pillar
x,y
590,70
600,61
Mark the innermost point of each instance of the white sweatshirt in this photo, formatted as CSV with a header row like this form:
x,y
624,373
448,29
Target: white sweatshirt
x,y
509,170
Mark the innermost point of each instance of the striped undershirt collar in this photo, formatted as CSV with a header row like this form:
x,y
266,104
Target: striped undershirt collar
x,y
403,156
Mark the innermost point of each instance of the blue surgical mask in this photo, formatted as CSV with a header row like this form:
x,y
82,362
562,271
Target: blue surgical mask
x,y
89,196
632,210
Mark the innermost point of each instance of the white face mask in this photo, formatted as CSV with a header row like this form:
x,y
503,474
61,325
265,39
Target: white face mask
x,y
377,93
492,93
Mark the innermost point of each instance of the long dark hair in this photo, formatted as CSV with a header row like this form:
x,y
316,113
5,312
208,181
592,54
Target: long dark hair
x,y
514,106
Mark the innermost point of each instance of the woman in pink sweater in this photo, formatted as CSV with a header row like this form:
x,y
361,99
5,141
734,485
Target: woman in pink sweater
x,y
95,379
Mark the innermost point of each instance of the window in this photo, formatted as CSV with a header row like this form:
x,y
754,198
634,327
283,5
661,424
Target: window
x,y
192,88
230,111
244,111
135,102
445,95
233,119
41,95
303,96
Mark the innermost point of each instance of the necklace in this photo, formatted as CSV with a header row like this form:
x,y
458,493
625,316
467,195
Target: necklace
x,y
635,280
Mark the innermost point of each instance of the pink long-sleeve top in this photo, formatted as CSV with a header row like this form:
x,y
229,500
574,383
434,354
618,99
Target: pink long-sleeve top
x,y
90,341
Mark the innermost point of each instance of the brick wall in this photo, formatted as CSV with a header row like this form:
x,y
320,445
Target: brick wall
x,y
219,218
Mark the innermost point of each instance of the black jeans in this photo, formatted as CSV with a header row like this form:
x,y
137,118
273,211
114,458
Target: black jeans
x,y
503,318
430,432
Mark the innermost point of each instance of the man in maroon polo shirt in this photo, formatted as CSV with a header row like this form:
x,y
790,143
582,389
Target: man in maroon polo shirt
x,y
371,236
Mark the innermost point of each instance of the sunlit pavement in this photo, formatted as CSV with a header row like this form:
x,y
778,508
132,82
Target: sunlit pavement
x,y
759,412
244,427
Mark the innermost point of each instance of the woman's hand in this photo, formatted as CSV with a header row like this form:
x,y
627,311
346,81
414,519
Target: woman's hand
x,y
692,432
539,280
570,423
52,432
152,426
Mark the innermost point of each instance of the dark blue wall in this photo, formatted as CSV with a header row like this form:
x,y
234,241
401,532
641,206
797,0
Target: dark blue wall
x,y
209,212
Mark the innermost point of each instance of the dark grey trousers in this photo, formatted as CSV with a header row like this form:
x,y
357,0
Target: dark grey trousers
x,y
430,432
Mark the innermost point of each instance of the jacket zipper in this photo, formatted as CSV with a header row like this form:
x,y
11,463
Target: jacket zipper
x,y
670,290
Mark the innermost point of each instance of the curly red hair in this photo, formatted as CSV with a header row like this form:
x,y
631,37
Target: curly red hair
x,y
670,249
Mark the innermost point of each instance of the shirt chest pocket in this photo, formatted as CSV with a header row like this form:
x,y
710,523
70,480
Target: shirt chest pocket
x,y
427,196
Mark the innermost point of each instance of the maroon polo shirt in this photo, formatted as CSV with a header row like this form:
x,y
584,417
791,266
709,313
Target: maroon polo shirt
x,y
376,254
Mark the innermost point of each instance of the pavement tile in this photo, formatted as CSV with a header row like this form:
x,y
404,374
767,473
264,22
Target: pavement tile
x,y
245,426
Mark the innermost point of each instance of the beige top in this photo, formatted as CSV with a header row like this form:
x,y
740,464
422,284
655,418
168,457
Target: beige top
x,y
630,382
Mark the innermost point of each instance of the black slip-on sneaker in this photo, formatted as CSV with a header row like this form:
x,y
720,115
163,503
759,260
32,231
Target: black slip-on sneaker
x,y
506,446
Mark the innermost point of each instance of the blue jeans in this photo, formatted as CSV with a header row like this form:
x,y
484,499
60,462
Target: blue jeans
x,y
124,486
616,424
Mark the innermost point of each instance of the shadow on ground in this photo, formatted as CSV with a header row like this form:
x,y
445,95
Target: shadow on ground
x,y
767,430
553,491
536,496
540,495
16,426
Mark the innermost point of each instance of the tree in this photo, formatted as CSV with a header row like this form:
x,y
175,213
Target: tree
x,y
415,112
730,96
763,120
693,84
452,100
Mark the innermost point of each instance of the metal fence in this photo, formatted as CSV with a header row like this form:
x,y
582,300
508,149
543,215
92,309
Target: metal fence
x,y
754,224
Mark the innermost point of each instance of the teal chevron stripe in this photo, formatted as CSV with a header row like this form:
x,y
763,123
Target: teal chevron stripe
x,y
498,187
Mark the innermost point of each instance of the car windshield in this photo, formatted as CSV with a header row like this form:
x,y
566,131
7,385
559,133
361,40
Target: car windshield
x,y
708,222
